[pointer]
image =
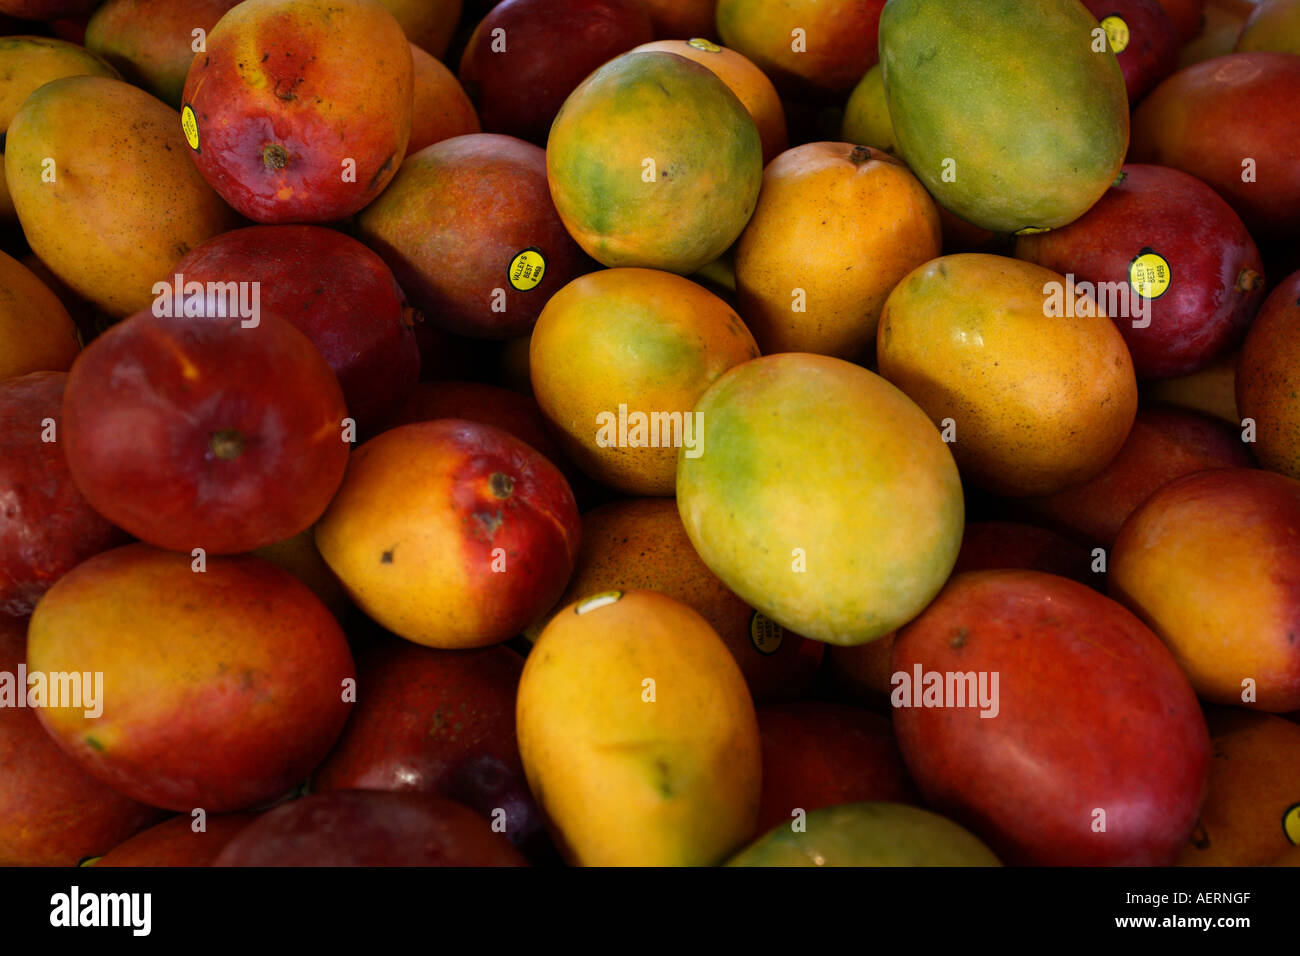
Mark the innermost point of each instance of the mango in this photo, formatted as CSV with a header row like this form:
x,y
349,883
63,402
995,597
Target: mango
x,y
622,348
152,42
638,734
1035,395
36,332
653,161
27,64
836,228
1004,108
824,497
639,543
869,834
104,190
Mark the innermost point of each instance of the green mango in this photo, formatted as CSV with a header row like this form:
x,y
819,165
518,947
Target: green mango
x,y
1012,112
868,834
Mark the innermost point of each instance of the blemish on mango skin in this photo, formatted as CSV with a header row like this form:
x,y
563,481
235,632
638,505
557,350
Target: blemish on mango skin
x,y
491,521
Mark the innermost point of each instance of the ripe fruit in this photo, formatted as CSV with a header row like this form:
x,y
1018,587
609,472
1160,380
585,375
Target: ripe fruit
x,y
335,291
300,110
654,162
177,843
619,359
106,197
1035,399
1184,276
1058,728
152,41
1143,39
638,734
1164,444
36,332
483,275
817,754
640,543
450,533
429,24
1252,813
1208,562
1266,386
222,688
1031,144
869,834
437,722
1207,120
824,498
27,64
837,226
52,812
440,107
820,47
516,47
1272,25
744,79
46,527
866,114
369,828
199,432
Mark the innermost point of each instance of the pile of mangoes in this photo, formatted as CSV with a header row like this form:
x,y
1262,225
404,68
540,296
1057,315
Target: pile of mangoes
x,y
649,432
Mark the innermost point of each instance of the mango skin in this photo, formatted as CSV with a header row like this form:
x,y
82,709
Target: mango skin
x,y
1267,384
869,834
27,64
429,24
36,332
843,223
302,108
222,689
652,340
745,79
151,41
1209,563
1209,118
1274,25
813,462
707,153
1253,785
622,780
1039,403
52,812
450,533
174,842
126,203
640,544
840,40
866,114
1036,123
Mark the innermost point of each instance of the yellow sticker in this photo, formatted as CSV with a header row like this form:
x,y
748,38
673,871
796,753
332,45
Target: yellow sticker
x,y
600,600
1032,230
1149,274
765,634
702,44
1291,823
1116,32
527,269
191,127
